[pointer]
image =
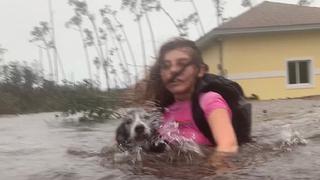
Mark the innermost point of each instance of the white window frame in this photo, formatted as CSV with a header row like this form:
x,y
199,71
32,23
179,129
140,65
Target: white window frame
x,y
311,74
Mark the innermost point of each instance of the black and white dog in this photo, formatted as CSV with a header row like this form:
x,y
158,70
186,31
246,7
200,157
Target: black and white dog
x,y
139,129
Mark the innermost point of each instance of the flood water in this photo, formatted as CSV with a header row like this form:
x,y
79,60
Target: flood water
x,y
41,146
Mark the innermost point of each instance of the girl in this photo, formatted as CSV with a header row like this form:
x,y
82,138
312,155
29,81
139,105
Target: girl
x,y
173,80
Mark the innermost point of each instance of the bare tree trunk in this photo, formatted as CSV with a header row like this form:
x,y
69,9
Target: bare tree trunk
x,y
61,66
124,61
100,51
49,58
246,3
86,53
2,52
41,61
196,10
105,65
99,46
172,20
129,47
151,34
119,44
114,42
218,8
144,58
50,65
55,59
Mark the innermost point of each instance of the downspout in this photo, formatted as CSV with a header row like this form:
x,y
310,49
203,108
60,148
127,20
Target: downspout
x,y
220,66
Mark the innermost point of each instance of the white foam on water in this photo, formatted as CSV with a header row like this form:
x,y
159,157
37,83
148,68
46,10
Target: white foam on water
x,y
290,138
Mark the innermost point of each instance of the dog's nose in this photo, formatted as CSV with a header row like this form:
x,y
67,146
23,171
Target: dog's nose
x,y
139,129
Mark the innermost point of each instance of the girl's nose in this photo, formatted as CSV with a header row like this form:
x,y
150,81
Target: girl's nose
x,y
174,69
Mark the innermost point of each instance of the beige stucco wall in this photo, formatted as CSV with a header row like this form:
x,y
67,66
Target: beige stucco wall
x,y
258,62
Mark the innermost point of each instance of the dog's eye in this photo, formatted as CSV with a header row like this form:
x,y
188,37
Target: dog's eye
x,y
128,121
146,116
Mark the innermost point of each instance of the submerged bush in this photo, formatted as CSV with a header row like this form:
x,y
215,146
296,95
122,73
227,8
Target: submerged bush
x,y
22,90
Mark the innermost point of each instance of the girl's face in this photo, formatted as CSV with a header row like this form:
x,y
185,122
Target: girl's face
x,y
181,85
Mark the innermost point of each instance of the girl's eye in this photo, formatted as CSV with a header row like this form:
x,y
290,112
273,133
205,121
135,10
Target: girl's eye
x,y
164,65
182,64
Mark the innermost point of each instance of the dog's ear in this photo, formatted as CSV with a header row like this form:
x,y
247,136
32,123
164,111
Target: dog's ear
x,y
122,134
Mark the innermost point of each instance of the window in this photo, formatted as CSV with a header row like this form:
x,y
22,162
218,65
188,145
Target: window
x,y
299,72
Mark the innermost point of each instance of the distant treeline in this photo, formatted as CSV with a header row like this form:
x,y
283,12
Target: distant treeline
x,y
22,90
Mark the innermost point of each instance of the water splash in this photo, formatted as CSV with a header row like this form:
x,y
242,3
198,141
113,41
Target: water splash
x,y
290,138
171,133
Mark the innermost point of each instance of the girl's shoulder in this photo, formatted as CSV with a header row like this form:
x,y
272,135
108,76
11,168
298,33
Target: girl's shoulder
x,y
210,95
211,100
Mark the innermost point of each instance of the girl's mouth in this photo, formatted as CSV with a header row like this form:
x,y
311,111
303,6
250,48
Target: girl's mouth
x,y
175,82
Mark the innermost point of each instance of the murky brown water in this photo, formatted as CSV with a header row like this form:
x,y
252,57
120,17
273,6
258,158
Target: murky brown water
x,y
42,146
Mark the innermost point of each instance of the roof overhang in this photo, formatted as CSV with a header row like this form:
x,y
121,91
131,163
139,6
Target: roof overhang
x,y
217,33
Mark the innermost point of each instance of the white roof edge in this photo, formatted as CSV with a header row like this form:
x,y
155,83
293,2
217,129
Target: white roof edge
x,y
215,33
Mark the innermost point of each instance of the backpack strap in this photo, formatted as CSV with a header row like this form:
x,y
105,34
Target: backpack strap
x,y
234,96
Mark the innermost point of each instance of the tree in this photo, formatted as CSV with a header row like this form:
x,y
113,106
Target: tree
x,y
304,2
81,8
246,3
116,40
76,21
41,34
2,52
141,9
184,23
113,13
193,17
97,64
53,39
219,10
135,8
30,78
180,30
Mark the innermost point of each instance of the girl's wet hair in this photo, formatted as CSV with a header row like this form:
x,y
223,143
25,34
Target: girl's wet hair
x,y
155,89
178,43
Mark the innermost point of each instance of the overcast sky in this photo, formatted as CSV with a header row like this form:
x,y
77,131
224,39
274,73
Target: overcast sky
x,y
18,17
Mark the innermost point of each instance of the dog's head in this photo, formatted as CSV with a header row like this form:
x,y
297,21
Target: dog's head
x,y
137,127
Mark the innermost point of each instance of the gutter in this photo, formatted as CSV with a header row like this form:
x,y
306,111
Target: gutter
x,y
212,36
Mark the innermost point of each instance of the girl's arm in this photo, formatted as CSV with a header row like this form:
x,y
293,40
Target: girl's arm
x,y
222,131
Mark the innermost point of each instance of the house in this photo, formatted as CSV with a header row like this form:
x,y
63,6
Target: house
x,y
271,50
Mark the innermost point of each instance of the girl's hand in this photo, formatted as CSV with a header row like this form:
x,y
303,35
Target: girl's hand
x,y
221,161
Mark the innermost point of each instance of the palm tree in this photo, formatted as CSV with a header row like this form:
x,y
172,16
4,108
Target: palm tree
x,y
3,67
219,10
117,42
304,2
97,64
76,21
180,30
140,9
55,51
113,13
198,15
194,17
246,3
40,34
184,23
148,6
40,61
135,8
81,7
2,52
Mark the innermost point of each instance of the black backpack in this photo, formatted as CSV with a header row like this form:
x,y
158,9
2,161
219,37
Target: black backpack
x,y
234,96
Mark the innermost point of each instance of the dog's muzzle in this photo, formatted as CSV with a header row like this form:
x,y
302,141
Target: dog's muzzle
x,y
140,133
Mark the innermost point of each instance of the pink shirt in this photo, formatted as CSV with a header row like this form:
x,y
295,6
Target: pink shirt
x,y
181,113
